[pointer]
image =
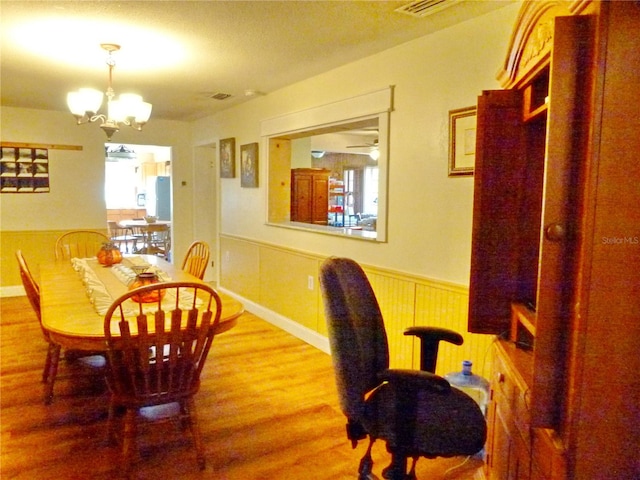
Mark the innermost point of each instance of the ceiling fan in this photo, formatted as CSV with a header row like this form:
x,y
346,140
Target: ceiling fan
x,y
365,145
374,153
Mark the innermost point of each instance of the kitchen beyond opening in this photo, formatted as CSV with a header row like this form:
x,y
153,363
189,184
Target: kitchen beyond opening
x,y
137,194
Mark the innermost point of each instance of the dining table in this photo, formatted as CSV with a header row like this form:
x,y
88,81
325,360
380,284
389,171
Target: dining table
x,y
72,311
145,231
142,223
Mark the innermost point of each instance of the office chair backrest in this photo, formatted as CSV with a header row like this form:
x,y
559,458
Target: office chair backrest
x,y
357,336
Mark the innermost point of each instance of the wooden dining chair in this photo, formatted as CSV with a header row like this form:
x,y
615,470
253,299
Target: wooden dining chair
x,y
50,370
79,244
196,260
158,239
121,236
156,354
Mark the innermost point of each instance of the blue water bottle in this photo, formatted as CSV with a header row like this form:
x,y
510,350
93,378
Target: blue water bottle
x,y
473,385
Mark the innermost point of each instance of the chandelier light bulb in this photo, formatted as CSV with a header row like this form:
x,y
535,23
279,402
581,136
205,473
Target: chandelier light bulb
x,y
116,111
143,112
84,100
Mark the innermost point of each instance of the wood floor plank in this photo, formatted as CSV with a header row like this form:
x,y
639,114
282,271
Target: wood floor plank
x,y
267,406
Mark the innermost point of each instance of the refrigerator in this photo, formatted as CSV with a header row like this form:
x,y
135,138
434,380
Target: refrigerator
x,y
158,197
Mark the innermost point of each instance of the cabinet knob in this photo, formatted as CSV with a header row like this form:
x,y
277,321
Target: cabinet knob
x,y
555,232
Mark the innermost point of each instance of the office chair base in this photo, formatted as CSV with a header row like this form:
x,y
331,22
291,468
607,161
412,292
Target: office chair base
x,y
366,463
397,470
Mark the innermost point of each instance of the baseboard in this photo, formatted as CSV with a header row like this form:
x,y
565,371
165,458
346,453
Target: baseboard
x,y
12,291
305,334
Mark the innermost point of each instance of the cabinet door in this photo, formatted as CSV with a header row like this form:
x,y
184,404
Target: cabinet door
x,y
500,157
565,164
320,202
501,446
301,196
510,457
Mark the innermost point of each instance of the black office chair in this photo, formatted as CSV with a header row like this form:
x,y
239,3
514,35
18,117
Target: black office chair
x,y
416,412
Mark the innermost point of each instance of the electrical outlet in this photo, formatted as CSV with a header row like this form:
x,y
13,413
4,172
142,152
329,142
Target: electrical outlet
x,y
310,282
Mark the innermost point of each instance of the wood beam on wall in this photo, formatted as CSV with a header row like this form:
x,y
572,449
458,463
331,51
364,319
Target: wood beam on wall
x,y
50,146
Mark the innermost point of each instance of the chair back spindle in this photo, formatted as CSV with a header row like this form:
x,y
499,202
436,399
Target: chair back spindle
x,y
156,351
79,244
196,259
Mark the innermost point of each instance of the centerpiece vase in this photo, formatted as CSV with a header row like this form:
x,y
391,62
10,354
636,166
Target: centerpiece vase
x,y
144,279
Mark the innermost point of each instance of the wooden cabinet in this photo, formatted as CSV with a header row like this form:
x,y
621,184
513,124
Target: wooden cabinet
x,y
526,205
515,450
555,264
310,195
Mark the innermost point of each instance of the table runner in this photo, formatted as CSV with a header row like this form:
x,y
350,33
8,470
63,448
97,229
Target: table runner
x,y
105,284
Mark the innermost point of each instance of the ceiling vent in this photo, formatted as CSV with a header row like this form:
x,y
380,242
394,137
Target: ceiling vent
x,y
220,96
424,8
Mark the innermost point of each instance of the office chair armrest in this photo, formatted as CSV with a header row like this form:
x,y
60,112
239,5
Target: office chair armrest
x,y
414,380
430,338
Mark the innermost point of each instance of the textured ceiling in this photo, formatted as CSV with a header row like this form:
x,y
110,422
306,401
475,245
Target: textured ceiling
x,y
178,54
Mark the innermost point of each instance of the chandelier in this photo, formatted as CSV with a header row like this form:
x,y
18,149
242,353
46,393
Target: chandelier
x,y
128,109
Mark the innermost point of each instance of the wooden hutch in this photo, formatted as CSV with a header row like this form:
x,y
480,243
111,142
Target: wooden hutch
x,y
310,195
555,267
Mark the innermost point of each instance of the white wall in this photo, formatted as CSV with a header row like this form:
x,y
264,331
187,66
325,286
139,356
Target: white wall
x,y
76,199
429,225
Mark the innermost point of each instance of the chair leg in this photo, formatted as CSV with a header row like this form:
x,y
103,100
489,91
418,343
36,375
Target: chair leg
x,y
50,371
194,425
366,462
412,473
47,365
111,427
129,439
397,470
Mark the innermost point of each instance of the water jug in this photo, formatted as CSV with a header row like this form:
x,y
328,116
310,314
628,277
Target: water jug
x,y
473,385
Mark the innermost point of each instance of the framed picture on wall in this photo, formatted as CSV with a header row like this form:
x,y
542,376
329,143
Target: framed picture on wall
x,y
249,165
228,158
462,141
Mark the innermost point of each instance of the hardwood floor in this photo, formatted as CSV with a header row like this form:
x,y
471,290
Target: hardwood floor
x,y
267,407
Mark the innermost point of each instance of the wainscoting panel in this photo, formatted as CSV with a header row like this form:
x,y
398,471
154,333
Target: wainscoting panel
x,y
240,267
439,305
277,280
288,285
396,298
38,246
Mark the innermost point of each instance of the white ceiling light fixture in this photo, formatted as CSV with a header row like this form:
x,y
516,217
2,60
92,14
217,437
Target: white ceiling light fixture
x,y
374,154
128,109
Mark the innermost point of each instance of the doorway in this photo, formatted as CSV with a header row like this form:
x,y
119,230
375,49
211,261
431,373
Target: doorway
x,y
131,173
137,182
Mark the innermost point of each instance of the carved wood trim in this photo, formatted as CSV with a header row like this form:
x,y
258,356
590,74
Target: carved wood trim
x,y
532,38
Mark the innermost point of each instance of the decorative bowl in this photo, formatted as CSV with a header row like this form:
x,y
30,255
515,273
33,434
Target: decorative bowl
x,y
150,219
